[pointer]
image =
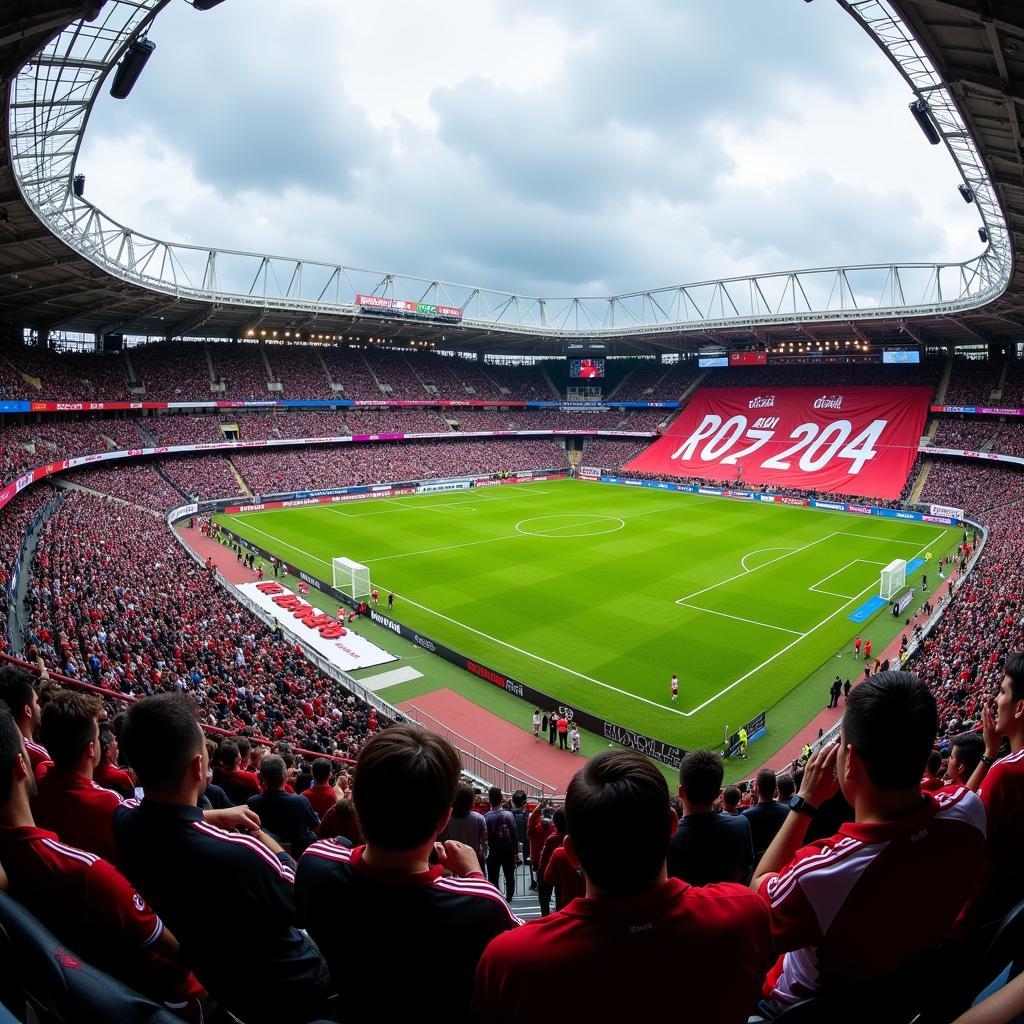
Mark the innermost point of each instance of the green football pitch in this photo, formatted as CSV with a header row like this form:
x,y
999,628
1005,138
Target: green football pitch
x,y
596,594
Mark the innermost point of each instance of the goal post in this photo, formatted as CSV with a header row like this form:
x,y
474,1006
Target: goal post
x,y
351,578
894,579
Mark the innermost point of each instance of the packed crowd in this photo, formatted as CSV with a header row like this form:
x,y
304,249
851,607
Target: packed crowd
x,y
826,375
115,601
972,382
333,879
654,381
15,519
138,483
201,476
242,370
604,453
972,435
345,465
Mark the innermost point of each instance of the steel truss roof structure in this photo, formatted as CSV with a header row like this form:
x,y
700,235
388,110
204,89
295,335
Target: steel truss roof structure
x,y
88,271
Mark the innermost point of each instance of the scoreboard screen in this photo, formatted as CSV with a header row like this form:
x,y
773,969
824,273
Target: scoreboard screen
x,y
586,369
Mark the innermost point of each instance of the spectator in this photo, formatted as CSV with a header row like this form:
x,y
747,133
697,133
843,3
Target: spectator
x,y
564,877
237,782
964,758
21,699
787,788
522,816
108,774
708,846
68,801
187,868
80,897
555,838
322,796
288,818
387,896
340,822
931,782
864,903
538,828
467,826
634,921
731,798
502,844
767,815
1002,792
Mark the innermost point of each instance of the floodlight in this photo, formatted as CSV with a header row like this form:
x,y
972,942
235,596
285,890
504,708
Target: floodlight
x,y
983,234
205,5
128,71
965,190
923,116
79,185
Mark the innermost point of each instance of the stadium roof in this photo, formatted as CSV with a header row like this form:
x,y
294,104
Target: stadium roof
x,y
976,47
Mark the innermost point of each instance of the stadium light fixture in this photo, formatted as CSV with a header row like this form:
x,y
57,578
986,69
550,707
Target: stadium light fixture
x,y
128,71
206,5
965,190
983,234
79,185
923,116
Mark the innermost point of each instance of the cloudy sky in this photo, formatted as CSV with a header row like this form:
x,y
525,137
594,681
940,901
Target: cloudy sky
x,y
541,148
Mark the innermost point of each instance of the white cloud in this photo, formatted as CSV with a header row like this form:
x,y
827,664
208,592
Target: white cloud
x,y
590,150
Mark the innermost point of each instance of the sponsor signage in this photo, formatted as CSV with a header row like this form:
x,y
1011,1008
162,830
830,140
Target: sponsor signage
x,y
748,358
304,622
408,306
712,362
904,600
858,440
754,728
900,356
946,510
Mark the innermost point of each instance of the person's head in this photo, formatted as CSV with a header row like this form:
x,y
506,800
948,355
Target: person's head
x,y
494,796
15,768
273,772
70,730
418,765
228,755
731,799
619,793
108,746
886,735
462,803
165,747
1010,699
558,819
934,765
321,771
519,798
965,756
787,787
766,784
700,779
19,695
244,750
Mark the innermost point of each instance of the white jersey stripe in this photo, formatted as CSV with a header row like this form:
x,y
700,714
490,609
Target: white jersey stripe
x,y
71,851
253,844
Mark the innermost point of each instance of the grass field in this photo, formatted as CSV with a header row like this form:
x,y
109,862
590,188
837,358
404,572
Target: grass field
x,y
596,594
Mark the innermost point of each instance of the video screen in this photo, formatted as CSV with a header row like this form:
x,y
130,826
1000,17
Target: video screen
x,y
586,369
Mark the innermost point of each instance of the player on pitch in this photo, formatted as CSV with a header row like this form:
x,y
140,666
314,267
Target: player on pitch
x,y
675,689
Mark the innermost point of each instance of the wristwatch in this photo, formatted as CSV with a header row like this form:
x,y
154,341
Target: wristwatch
x,y
987,761
801,806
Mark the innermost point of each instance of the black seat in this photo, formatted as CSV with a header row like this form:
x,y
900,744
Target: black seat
x,y
59,986
1006,947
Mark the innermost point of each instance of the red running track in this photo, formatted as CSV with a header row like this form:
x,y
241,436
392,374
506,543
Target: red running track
x,y
518,748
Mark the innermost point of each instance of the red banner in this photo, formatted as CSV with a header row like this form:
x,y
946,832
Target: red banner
x,y
854,440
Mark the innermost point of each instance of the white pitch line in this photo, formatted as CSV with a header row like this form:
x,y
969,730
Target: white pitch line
x,y
790,646
739,618
447,547
747,572
856,561
750,554
888,540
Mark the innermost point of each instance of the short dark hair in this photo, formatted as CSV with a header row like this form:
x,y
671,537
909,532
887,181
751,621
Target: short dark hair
x,y
106,738
969,747
700,775
787,786
15,689
519,798
227,754
160,738
10,748
494,795
934,762
619,793
68,725
462,803
891,720
767,783
418,765
244,747
559,820
1013,669
321,770
273,771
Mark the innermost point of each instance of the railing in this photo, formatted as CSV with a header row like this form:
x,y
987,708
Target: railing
x,y
482,762
53,95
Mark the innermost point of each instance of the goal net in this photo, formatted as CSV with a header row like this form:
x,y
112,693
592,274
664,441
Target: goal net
x,y
894,579
351,578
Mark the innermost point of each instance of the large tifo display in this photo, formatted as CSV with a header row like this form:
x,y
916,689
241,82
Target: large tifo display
x,y
853,440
